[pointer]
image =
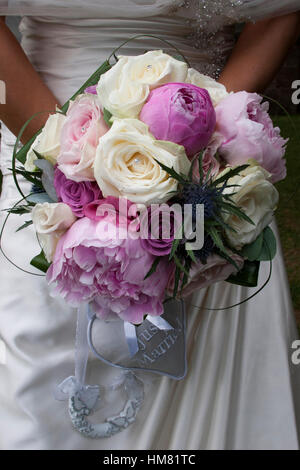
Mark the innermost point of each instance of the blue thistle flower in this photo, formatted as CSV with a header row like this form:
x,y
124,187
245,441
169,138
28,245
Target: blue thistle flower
x,y
207,195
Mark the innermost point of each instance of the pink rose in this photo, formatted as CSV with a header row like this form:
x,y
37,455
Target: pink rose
x,y
181,113
94,262
91,89
76,194
209,161
80,136
203,275
158,228
248,132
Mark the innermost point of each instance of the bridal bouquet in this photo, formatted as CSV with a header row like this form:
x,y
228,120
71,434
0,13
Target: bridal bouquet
x,y
152,183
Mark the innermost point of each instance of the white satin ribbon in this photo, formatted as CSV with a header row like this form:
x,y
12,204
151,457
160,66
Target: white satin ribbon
x,y
76,384
131,336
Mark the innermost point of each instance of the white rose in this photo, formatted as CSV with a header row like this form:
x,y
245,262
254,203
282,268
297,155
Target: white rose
x,y
125,163
216,90
47,142
257,197
125,87
51,220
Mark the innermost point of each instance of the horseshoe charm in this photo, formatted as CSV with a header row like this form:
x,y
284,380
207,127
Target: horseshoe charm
x,y
81,407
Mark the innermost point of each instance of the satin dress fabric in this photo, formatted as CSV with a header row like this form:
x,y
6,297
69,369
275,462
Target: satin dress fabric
x,y
242,390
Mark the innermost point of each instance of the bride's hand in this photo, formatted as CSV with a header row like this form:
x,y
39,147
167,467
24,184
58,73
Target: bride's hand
x,y
259,53
26,94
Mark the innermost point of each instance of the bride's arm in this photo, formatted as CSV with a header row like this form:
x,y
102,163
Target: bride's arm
x,y
259,53
26,94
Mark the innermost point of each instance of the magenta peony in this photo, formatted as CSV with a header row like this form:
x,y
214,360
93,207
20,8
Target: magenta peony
x,y
248,132
181,113
95,262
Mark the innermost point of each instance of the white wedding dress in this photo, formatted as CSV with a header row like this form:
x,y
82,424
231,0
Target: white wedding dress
x,y
242,390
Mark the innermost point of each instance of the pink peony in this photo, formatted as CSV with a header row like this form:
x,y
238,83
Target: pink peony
x,y
119,211
120,207
180,113
95,262
80,136
248,132
203,275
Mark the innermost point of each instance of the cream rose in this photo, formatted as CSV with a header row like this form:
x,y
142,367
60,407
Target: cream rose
x,y
48,142
257,197
125,87
216,90
50,222
125,163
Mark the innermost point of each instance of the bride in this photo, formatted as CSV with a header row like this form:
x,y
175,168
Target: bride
x,y
242,390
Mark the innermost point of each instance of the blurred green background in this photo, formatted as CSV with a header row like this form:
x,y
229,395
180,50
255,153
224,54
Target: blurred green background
x,y
288,213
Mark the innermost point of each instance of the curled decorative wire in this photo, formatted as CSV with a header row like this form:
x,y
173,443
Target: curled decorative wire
x,y
1,238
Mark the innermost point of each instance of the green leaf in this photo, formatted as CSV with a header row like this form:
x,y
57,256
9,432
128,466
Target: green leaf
x,y
253,250
230,174
219,244
180,265
211,223
247,276
219,221
174,247
172,173
213,232
32,177
153,267
106,116
263,248
233,209
40,262
208,174
38,155
200,158
22,171
92,80
19,210
269,246
228,197
192,255
176,241
232,186
25,225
